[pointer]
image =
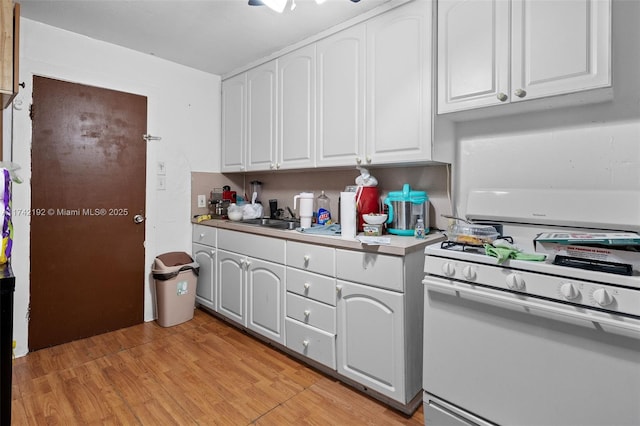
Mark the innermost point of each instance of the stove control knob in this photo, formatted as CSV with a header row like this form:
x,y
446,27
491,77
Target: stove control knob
x,y
448,269
469,273
602,297
515,281
569,291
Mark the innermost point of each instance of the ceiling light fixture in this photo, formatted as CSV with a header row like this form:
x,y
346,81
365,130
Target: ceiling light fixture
x,y
279,5
276,5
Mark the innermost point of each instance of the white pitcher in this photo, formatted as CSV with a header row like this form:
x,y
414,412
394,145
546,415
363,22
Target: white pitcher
x,y
306,208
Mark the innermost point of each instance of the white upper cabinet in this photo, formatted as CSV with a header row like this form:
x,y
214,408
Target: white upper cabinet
x,y
560,47
233,123
493,52
340,90
360,96
261,117
296,108
399,113
473,53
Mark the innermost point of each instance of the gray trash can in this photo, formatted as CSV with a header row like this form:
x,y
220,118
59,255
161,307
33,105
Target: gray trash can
x,y
176,277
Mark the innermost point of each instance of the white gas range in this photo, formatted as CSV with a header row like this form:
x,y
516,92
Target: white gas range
x,y
532,343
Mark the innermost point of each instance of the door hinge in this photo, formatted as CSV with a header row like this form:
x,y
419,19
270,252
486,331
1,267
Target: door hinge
x,y
148,138
31,111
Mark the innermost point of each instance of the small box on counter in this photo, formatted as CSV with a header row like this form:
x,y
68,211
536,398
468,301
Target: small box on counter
x,y
372,230
616,247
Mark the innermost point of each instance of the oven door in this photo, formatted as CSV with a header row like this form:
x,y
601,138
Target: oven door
x,y
515,360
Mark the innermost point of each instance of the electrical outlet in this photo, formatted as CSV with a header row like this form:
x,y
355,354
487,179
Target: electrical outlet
x,y
202,201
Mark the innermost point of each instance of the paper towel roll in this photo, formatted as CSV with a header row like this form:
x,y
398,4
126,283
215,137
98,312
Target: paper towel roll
x,y
348,215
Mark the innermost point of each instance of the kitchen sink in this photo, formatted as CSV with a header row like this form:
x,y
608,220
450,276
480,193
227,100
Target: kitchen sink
x,y
272,223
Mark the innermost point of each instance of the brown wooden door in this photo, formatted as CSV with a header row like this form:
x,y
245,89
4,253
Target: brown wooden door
x,y
88,183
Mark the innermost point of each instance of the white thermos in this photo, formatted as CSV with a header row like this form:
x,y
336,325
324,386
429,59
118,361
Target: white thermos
x,y
306,208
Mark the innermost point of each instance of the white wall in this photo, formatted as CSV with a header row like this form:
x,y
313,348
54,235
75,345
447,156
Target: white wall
x,y
587,147
183,109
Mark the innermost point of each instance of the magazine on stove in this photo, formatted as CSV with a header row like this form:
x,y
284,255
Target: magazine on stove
x,y
610,239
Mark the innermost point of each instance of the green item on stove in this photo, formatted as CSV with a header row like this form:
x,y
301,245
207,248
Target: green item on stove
x,y
504,253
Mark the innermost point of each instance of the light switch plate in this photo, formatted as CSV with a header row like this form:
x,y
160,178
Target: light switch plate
x,y
202,201
161,169
162,183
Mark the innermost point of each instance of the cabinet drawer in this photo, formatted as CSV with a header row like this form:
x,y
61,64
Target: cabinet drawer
x,y
257,246
314,286
309,257
204,235
311,342
371,269
311,312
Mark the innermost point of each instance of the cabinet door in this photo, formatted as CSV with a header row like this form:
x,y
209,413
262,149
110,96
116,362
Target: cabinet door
x,y
9,51
560,47
340,103
261,117
370,342
265,299
206,290
231,291
399,85
296,111
233,123
473,54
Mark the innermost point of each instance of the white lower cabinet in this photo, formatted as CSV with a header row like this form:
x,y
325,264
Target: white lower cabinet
x,y
204,253
231,291
205,256
251,288
358,313
311,302
380,322
265,299
370,341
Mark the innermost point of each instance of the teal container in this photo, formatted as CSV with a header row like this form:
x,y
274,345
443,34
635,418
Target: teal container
x,y
405,208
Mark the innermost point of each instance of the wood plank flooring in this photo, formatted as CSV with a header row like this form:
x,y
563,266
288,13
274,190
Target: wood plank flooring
x,y
202,372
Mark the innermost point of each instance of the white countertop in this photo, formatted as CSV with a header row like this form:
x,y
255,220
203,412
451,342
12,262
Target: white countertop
x,y
399,246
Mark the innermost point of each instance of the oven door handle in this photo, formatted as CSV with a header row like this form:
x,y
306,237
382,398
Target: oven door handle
x,y
531,304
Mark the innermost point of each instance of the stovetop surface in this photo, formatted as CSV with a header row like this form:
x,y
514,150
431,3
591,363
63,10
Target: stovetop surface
x,y
522,237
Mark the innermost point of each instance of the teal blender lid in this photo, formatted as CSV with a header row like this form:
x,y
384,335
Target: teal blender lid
x,y
416,197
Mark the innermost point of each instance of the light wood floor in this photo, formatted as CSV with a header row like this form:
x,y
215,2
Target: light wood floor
x,y
202,372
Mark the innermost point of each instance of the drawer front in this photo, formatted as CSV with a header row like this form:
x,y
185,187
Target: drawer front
x,y
311,342
312,258
310,312
204,235
314,286
252,245
373,269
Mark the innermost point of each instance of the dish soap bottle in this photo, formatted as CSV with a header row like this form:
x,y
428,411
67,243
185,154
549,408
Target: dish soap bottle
x,y
324,209
419,229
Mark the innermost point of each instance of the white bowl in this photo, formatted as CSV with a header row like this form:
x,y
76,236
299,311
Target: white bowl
x,y
375,219
235,215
